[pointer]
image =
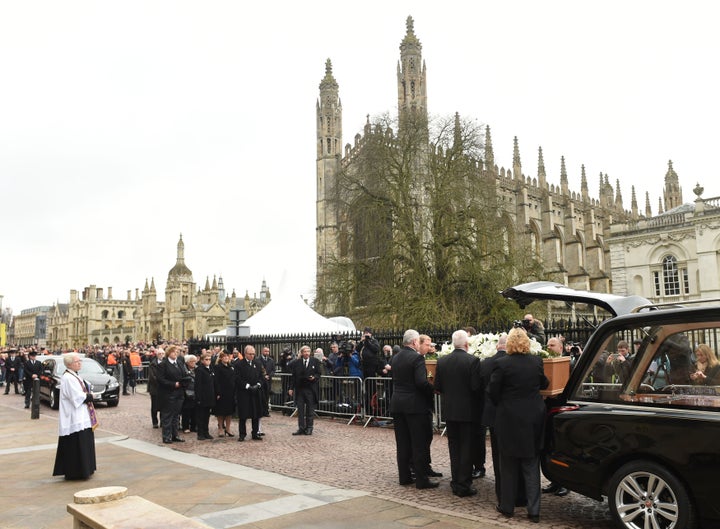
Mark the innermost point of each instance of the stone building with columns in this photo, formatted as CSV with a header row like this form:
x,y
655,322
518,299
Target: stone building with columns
x,y
94,316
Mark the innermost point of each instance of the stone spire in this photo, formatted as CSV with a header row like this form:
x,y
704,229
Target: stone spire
x,y
180,269
457,133
584,185
618,195
542,176
660,206
564,188
673,192
411,75
489,154
329,116
633,203
648,211
517,166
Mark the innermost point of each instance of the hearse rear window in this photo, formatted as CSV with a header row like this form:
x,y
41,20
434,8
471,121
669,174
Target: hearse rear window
x,y
669,366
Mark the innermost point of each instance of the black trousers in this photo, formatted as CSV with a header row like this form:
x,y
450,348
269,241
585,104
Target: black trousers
x,y
460,445
170,415
203,419
512,469
479,449
411,444
242,426
305,402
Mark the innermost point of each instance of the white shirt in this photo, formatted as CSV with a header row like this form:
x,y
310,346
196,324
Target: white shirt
x,y
74,414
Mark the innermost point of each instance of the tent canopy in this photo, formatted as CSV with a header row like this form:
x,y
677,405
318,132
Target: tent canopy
x,y
289,314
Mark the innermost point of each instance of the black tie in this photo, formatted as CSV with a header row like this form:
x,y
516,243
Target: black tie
x,y
306,362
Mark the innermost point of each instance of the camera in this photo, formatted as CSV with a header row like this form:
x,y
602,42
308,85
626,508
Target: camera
x,y
345,349
518,323
574,350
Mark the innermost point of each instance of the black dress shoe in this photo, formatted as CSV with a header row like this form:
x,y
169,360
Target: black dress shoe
x,y
308,431
407,481
505,514
241,438
156,426
535,518
550,489
562,491
261,434
478,474
257,438
300,431
167,441
464,493
427,485
178,440
432,474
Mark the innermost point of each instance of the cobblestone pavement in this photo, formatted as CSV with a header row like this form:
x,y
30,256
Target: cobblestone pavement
x,y
349,456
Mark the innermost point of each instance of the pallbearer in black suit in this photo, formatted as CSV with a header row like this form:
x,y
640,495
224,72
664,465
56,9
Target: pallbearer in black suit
x,y
248,387
515,385
408,407
458,381
304,386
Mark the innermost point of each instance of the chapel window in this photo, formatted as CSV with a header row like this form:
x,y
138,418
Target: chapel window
x,y
671,276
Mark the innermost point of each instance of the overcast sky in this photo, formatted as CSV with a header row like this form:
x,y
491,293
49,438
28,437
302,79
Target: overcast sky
x,y
124,124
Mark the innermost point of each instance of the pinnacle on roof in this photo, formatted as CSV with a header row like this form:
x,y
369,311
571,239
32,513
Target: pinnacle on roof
x,y
648,211
489,154
618,194
563,172
410,40
541,167
517,166
329,80
583,182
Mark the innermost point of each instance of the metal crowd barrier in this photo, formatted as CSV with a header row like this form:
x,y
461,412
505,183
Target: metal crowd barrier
x,y
350,398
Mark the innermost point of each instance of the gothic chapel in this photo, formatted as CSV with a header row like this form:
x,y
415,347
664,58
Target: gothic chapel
x,y
570,231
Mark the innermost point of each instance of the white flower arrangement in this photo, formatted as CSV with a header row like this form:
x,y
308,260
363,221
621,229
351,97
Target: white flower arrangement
x,y
485,345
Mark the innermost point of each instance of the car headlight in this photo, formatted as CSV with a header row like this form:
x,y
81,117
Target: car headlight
x,y
113,383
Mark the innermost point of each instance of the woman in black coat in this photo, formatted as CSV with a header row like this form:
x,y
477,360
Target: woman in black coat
x,y
514,388
204,396
224,394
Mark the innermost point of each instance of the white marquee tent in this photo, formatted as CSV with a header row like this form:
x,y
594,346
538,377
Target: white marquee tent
x,y
289,314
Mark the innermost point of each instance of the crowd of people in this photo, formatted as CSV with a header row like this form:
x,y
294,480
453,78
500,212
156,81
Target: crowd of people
x,y
500,394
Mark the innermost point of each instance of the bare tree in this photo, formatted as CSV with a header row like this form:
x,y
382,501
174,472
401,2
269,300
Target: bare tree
x,y
423,240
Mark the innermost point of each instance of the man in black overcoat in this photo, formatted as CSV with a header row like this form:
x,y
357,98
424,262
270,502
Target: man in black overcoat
x,y
12,370
458,381
249,393
408,408
171,377
33,370
305,387
268,363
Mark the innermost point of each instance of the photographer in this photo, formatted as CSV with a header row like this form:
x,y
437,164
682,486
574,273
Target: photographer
x,y
348,362
369,350
534,328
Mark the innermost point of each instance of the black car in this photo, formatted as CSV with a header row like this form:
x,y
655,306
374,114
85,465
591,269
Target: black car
x,y
639,427
105,388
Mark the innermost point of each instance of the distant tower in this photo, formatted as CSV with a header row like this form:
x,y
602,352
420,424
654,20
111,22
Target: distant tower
x,y
180,286
329,153
411,74
673,192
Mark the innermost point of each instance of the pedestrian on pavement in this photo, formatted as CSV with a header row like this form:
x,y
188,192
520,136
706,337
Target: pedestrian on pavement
x,y
152,387
515,385
249,394
458,381
12,371
224,394
172,377
75,456
33,370
305,388
204,396
408,407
